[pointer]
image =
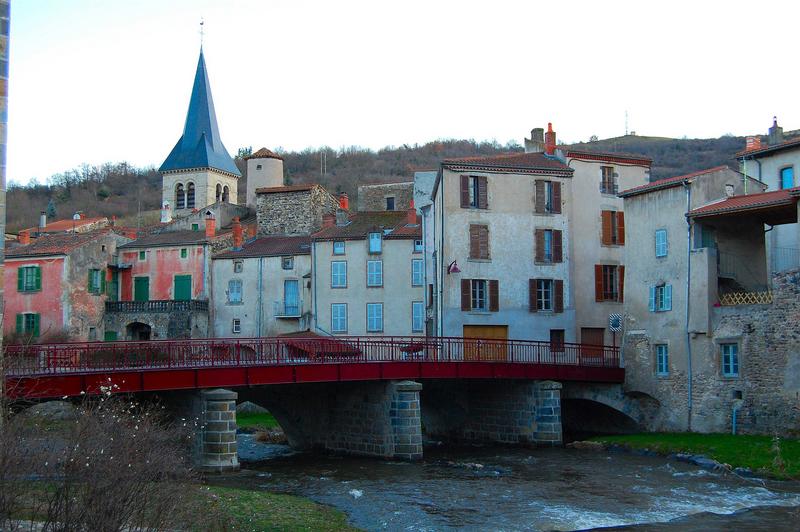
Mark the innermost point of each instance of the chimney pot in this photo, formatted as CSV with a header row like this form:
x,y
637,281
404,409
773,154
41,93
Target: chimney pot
x,y
550,140
344,201
24,237
238,236
211,226
42,220
411,214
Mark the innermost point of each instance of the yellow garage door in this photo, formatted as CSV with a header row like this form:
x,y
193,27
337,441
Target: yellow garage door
x,y
474,350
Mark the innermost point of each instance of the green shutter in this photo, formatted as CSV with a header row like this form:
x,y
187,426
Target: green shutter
x,y
110,336
20,325
102,274
35,325
38,273
89,286
20,279
183,288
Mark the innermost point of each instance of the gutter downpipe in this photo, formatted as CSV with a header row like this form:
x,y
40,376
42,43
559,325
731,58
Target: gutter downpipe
x,y
314,276
260,294
688,306
441,263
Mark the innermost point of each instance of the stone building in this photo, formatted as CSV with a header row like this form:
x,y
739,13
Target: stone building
x,y
264,170
706,330
386,196
58,284
292,210
368,274
199,171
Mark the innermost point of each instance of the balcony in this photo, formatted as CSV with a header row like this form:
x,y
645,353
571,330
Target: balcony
x,y
163,306
742,280
287,309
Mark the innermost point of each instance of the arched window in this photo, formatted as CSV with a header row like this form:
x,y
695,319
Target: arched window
x,y
225,194
180,196
190,196
219,192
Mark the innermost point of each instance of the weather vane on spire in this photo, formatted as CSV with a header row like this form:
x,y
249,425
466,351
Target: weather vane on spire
x,y
201,32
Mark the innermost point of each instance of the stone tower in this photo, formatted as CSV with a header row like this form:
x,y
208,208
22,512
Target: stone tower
x,y
264,169
198,170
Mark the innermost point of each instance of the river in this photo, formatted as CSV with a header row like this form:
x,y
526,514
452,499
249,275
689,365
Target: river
x,y
496,488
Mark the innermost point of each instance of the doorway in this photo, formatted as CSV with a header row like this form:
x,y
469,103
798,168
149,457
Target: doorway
x,y
138,331
482,351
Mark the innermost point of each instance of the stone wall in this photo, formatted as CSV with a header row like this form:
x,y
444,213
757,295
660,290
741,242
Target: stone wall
x,y
373,197
215,439
297,212
163,325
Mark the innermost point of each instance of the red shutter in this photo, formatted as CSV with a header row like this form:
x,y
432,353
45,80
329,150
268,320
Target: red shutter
x,y
538,200
532,295
483,193
474,242
494,296
606,237
539,245
556,197
620,228
598,282
466,296
558,303
558,252
465,191
483,242
621,273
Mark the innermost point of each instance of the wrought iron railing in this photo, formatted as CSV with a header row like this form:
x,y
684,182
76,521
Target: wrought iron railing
x,y
161,305
287,309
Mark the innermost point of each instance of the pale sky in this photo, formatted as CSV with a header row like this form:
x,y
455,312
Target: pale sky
x,y
109,80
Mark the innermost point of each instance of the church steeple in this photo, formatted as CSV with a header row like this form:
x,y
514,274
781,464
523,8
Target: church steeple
x,y
200,145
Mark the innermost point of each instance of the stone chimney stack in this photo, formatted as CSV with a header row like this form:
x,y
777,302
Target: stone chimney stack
x,y
24,237
238,236
344,201
535,144
550,140
42,221
775,133
411,214
211,225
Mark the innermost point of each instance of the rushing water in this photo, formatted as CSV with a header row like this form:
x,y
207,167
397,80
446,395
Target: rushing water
x,y
491,488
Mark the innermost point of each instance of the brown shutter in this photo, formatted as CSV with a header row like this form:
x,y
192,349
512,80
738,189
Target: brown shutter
x,y
558,252
620,228
621,274
483,242
466,296
538,200
558,300
532,295
483,193
539,245
465,191
606,238
494,296
474,242
556,197
598,282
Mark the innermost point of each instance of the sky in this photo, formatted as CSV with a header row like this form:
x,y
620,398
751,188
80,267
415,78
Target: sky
x,y
94,81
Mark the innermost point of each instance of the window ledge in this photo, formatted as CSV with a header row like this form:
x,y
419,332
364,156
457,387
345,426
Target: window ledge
x,y
478,260
235,304
338,287
374,286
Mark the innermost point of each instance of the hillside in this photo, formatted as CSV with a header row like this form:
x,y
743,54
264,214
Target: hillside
x,y
122,190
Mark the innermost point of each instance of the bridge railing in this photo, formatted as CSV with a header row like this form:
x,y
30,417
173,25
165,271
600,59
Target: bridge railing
x,y
37,359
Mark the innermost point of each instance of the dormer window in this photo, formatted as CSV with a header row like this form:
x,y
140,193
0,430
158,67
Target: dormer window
x,y
375,242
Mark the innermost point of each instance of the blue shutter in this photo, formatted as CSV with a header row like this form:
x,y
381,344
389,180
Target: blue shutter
x,y
668,297
652,299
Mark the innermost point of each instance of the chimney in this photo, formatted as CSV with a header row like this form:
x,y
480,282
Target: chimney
x,y
411,214
113,220
341,217
752,142
775,132
42,221
550,140
535,144
238,237
83,215
328,220
211,225
344,201
24,237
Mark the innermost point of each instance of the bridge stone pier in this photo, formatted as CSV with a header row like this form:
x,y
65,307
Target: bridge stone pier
x,y
216,447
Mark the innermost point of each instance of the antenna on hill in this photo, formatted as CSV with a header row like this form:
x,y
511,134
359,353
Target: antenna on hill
x,y
626,122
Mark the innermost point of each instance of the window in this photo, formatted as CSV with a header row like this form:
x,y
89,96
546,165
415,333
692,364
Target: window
x,y
417,316
374,317
195,227
97,282
287,263
235,291
142,255
418,246
236,326
548,246
390,203
548,197
417,272
374,243
474,194
660,298
190,196
544,294
661,243
29,279
374,273
338,274
662,359
730,360
339,317
479,242
608,180
787,177
479,295
291,297
92,334
613,228
338,248
703,237
557,340
258,167
184,253
180,196
28,323
609,282
238,266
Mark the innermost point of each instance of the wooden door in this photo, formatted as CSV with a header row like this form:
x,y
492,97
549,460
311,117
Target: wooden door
x,y
592,340
485,351
141,289
183,288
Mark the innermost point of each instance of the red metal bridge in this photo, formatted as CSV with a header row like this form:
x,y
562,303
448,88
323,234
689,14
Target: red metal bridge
x,y
70,369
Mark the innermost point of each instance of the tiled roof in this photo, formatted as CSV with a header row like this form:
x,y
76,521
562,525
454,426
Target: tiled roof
x,y
362,223
749,202
264,153
791,143
61,226
287,188
55,244
668,182
167,238
510,161
270,246
609,157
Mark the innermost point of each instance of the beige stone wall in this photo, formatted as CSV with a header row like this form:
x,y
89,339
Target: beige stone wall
x,y
205,182
373,197
293,213
266,172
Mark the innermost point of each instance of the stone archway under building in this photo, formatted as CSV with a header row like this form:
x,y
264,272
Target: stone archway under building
x,y
138,331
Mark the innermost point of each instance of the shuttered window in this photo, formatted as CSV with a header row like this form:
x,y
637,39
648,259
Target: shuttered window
x,y
613,228
546,295
480,295
662,359
661,243
374,273
235,291
339,317
547,197
660,299
417,272
374,243
474,192
730,360
29,279
338,274
96,283
374,317
417,316
609,282
28,323
549,246
479,241
608,180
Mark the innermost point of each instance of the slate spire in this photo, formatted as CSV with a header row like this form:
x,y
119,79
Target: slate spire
x,y
200,145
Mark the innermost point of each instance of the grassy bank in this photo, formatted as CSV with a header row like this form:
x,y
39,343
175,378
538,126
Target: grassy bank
x,y
256,421
239,509
759,453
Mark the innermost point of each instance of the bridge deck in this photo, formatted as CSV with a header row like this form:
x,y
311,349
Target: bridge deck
x,y
56,370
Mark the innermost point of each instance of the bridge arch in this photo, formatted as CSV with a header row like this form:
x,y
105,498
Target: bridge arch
x,y
605,409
